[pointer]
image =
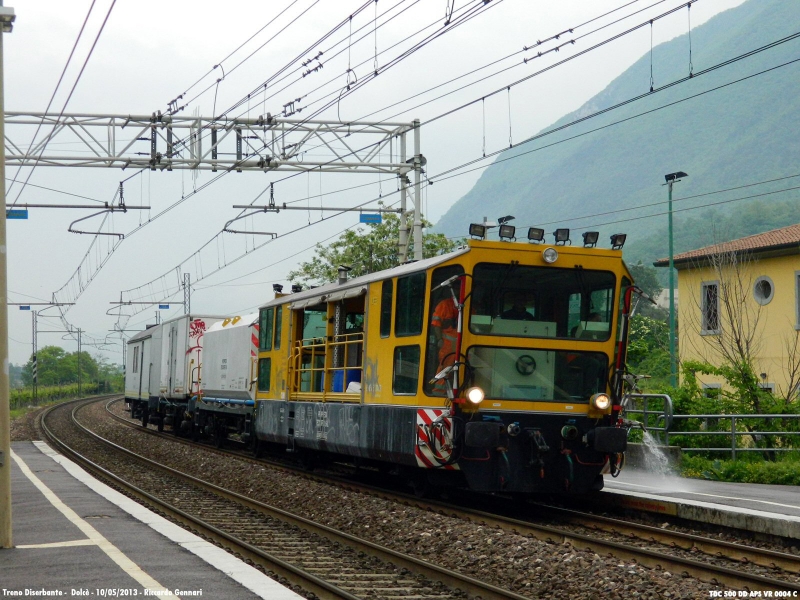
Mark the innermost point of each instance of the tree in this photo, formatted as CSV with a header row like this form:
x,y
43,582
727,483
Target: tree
x,y
732,324
57,367
731,351
648,349
365,251
646,279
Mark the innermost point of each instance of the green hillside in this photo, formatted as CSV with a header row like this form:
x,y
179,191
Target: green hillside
x,y
741,134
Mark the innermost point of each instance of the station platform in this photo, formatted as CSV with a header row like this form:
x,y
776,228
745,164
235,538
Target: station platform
x,y
76,537
766,509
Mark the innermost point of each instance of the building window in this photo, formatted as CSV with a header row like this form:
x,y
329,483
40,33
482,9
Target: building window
x,y
763,290
710,308
768,386
712,390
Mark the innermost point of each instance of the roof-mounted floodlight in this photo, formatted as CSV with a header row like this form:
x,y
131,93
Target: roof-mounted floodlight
x,y
505,219
675,176
562,236
535,234
478,231
590,238
618,241
296,287
507,232
277,288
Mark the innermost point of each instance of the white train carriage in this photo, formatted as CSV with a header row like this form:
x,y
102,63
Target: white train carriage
x,y
143,370
224,406
175,349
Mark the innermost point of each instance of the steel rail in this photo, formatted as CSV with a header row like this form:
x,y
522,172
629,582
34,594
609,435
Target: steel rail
x,y
307,580
699,569
687,541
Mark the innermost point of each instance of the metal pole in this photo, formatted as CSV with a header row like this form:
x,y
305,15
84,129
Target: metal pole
x,y
403,242
6,537
417,195
35,361
187,294
79,362
673,364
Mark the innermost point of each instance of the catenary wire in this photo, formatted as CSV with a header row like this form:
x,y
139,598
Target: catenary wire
x,y
69,97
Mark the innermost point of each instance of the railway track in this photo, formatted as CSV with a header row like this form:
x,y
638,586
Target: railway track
x,y
319,559
748,567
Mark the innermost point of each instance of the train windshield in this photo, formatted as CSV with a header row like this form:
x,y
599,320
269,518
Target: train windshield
x,y
545,302
537,374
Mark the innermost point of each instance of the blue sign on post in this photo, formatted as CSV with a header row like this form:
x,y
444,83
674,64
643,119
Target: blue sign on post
x,y
17,213
370,218
163,306
25,307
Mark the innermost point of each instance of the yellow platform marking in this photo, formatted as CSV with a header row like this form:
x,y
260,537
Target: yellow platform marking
x,y
94,536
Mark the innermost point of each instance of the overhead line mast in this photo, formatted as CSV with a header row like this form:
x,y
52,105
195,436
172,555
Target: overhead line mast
x,y
265,144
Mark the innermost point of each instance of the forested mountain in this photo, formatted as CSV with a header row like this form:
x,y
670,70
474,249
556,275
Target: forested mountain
x,y
740,134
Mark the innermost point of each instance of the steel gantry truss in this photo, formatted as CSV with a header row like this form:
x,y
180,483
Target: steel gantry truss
x,y
267,143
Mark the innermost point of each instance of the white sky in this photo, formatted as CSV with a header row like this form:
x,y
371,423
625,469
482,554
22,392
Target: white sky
x,y
149,52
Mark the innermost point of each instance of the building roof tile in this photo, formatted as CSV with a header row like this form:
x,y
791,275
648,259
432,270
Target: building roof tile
x,y
785,237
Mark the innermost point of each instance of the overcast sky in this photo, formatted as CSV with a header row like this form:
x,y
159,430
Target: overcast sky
x,y
151,52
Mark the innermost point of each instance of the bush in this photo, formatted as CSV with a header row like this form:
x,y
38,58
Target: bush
x,y
46,394
753,469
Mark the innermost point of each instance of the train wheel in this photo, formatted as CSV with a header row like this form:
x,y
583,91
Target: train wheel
x,y
219,435
307,461
421,486
256,448
160,423
145,418
195,432
176,425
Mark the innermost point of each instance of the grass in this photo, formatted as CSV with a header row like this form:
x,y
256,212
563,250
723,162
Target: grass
x,y
784,471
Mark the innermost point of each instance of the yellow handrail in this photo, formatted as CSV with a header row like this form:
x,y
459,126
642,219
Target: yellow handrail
x,y
321,378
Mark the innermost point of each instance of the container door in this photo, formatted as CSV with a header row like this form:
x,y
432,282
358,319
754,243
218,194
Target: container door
x,y
173,358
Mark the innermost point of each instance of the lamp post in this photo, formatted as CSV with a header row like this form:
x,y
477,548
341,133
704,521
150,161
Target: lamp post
x,y
671,178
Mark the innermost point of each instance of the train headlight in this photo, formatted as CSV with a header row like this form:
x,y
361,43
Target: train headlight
x,y
475,395
550,255
601,401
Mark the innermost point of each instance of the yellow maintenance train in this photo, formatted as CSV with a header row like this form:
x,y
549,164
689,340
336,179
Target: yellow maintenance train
x,y
496,367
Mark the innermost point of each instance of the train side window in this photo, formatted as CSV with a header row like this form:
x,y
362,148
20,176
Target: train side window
x,y
278,326
405,376
136,359
410,305
265,328
387,294
264,372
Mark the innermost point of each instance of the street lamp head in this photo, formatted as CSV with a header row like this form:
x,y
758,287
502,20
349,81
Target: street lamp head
x,y
7,18
675,176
